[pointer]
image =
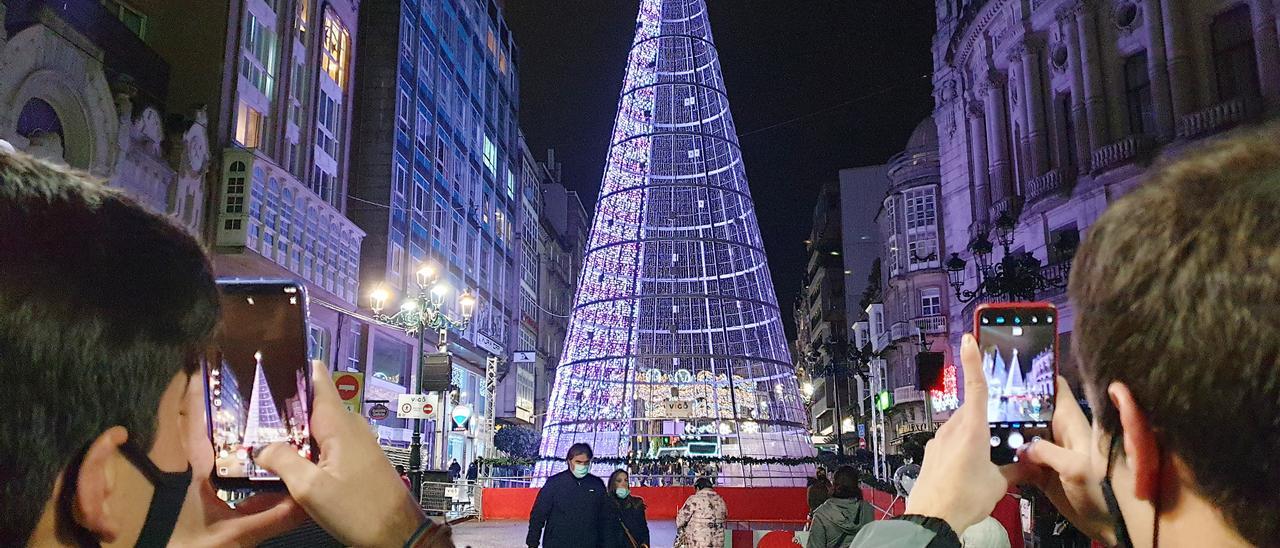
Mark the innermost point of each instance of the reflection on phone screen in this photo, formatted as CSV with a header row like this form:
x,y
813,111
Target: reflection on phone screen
x,y
1017,360
258,379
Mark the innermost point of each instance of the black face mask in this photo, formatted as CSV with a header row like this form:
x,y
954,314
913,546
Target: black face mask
x,y
166,503
1113,507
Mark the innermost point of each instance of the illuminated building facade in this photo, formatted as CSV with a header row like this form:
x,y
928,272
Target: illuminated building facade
x,y
675,344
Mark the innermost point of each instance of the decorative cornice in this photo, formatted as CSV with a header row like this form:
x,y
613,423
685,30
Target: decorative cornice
x,y
969,38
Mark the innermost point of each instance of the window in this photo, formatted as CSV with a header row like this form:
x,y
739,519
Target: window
x,y
1067,132
232,224
424,60
1062,243
322,184
921,208
511,185
400,179
1234,61
423,135
249,126
132,18
1137,93
318,344
419,197
442,155
490,156
403,108
930,302
437,219
397,259
921,228
258,61
336,49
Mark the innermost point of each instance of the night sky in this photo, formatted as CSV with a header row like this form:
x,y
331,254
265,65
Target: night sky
x,y
814,85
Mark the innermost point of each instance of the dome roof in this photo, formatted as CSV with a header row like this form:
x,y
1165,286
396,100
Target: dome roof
x,y
925,136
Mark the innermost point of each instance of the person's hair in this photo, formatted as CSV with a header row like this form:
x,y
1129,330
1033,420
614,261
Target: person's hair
x,y
579,449
400,468
844,483
614,476
1177,295
101,304
821,471
702,483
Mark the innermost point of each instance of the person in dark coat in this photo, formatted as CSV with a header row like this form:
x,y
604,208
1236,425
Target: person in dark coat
x,y
455,470
819,489
623,523
567,511
473,471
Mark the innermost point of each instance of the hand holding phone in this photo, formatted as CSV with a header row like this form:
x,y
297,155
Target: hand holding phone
x,y
1019,347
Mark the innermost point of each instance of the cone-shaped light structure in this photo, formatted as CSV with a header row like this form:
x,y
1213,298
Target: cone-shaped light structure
x,y
675,340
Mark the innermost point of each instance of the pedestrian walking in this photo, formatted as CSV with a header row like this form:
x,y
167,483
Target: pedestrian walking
x,y
473,471
404,476
623,520
839,518
819,489
455,470
700,521
567,511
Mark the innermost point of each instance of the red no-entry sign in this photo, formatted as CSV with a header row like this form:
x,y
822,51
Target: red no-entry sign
x,y
428,408
348,387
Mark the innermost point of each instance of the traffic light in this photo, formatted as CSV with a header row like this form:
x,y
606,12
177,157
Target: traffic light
x,y
929,370
884,400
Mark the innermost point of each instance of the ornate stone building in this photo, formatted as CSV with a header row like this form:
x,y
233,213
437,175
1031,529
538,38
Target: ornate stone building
x,y
81,87
1047,110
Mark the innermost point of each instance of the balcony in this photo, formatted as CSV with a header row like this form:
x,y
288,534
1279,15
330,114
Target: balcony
x,y
1213,119
907,394
1049,184
899,331
1055,271
1010,204
1120,152
932,325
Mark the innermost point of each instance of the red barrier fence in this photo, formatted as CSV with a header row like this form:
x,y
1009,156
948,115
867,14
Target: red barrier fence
x,y
772,504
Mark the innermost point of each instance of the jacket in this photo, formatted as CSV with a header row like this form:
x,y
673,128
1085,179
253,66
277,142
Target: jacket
x,y
896,533
700,521
836,522
566,513
616,514
819,491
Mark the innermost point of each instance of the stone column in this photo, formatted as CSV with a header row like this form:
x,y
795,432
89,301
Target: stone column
x,y
1268,50
1182,87
1033,102
974,114
1095,94
1157,70
1076,68
997,135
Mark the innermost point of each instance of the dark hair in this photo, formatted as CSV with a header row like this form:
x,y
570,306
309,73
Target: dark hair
x,y
844,483
614,476
101,304
702,483
579,449
1177,295
400,468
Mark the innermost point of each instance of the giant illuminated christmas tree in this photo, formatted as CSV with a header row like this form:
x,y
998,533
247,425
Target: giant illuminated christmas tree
x,y
675,345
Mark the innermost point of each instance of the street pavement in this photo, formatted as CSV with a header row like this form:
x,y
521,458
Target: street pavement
x,y
510,534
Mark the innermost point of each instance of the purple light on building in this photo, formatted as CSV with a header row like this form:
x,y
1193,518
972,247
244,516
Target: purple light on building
x,y
675,345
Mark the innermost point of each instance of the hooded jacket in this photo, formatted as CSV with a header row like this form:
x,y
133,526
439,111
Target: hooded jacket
x,y
837,521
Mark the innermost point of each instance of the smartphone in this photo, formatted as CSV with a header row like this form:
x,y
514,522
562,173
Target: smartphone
x,y
1019,345
258,380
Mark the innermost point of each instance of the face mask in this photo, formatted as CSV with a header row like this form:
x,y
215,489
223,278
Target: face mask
x,y
622,492
580,470
1113,507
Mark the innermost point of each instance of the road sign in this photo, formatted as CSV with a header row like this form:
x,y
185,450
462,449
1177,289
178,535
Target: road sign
x,y
416,406
461,414
451,492
350,389
379,412
524,357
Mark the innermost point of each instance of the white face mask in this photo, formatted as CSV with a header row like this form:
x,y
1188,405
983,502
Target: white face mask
x,y
580,470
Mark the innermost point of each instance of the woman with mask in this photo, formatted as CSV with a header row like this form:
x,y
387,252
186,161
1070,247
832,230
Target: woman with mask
x,y
622,518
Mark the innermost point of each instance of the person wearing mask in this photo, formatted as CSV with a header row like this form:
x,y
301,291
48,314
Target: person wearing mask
x,y
819,489
567,510
127,462
838,519
700,523
624,523
473,470
1176,294
455,470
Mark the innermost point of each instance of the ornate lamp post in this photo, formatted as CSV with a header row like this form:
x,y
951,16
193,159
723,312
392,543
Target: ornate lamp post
x,y
1017,277
422,311
842,363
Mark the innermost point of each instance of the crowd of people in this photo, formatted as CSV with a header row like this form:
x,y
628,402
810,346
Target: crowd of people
x,y
1176,294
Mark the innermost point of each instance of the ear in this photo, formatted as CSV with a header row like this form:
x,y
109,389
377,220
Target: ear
x,y
95,482
1141,449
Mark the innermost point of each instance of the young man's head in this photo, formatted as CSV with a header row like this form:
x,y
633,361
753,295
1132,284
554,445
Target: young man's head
x,y
844,484
103,307
1177,331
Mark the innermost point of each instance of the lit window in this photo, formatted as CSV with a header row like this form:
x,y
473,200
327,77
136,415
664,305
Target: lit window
x,y
930,302
490,156
511,185
337,45
258,62
248,126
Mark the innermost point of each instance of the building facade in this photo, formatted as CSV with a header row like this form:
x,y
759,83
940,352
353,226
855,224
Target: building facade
x,y
822,333
80,85
564,225
435,171
1048,110
913,298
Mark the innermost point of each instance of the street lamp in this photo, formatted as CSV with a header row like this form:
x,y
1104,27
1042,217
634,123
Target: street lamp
x,y
1017,277
422,311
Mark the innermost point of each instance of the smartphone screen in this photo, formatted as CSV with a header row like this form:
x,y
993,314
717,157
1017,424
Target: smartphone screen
x,y
258,378
1019,345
